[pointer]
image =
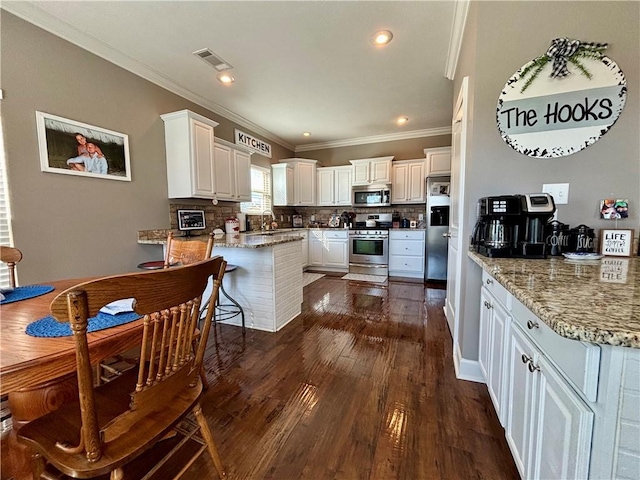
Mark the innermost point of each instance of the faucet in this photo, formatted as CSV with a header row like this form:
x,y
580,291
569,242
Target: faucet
x,y
273,217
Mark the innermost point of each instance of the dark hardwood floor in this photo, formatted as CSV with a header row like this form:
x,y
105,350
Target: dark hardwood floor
x,y
360,386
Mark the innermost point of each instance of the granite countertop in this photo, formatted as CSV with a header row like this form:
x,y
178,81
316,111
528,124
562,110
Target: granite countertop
x,y
234,240
595,301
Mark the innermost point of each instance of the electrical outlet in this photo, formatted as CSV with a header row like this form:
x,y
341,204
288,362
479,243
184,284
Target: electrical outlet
x,y
420,217
559,192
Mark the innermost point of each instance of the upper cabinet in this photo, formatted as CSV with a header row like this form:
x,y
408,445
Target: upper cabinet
x,y
438,161
189,143
334,186
371,171
294,182
408,184
232,167
198,166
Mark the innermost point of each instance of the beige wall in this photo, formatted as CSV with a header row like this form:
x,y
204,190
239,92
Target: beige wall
x,y
493,49
70,226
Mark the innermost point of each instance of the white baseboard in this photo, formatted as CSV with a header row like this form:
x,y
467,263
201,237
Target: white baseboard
x,y
466,369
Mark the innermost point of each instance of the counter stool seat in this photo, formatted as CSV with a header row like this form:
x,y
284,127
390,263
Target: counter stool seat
x,y
152,265
225,311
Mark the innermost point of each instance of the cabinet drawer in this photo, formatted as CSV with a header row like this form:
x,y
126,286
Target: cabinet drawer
x,y
401,263
343,234
400,235
578,361
406,247
497,290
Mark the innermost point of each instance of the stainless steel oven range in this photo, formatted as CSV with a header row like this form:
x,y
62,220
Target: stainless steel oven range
x,y
369,244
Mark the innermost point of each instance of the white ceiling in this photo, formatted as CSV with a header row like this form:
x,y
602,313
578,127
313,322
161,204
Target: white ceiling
x,y
299,65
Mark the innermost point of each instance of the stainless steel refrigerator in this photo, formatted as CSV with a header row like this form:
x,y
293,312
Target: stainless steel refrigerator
x,y
437,222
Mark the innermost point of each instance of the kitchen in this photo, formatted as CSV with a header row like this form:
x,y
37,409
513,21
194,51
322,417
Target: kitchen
x,y
491,168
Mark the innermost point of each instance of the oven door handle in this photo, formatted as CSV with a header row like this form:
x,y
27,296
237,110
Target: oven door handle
x,y
368,237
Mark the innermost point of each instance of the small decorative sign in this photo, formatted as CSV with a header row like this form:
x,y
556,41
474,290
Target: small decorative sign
x,y
253,144
613,209
617,243
562,101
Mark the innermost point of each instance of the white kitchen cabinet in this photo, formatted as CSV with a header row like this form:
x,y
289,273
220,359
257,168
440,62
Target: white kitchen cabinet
x,y
548,426
438,161
408,185
305,247
329,250
406,253
232,167
371,171
295,183
494,326
189,144
334,186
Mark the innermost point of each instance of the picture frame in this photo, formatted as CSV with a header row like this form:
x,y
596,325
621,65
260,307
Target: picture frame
x,y
70,147
191,220
617,242
614,208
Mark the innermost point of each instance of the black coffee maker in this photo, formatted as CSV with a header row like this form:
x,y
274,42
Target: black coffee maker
x,y
498,227
537,211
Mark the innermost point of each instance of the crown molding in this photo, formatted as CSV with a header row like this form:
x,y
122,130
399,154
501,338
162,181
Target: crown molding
x,y
84,40
460,13
431,132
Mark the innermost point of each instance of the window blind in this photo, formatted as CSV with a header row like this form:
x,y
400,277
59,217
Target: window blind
x,y
5,222
260,192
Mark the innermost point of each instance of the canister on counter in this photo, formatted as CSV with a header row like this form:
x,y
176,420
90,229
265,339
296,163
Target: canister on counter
x,y
581,239
557,237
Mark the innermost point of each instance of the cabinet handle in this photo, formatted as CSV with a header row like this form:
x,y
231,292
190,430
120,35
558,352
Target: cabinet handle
x,y
533,368
489,281
526,359
487,304
531,325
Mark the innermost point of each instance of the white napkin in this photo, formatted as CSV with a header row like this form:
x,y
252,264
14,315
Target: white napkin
x,y
119,306
1,297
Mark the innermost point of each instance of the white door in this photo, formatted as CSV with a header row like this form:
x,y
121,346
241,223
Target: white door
x,y
456,191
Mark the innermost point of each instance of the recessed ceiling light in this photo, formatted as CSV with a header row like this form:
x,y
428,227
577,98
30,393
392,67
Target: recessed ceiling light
x,y
381,38
402,120
226,78
306,134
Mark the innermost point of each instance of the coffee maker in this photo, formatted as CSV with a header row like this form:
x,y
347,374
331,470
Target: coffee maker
x,y
512,225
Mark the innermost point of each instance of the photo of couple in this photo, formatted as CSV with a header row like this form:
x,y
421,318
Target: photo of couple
x,y
74,148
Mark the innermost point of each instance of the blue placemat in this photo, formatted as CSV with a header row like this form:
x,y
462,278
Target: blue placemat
x,y
50,327
23,293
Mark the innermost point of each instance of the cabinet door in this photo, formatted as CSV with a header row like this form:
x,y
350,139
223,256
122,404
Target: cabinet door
x,y
399,190
326,187
500,320
224,172
361,173
438,161
316,248
305,252
485,332
282,178
342,179
203,159
381,171
242,162
562,447
416,183
520,399
305,184
335,254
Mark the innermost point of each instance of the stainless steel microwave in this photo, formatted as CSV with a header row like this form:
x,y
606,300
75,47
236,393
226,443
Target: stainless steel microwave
x,y
371,196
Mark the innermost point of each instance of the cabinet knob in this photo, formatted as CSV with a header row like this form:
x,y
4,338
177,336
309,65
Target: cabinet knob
x,y
526,359
489,281
531,325
446,235
533,368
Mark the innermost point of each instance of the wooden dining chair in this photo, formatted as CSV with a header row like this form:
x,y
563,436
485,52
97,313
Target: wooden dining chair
x,y
116,428
185,252
11,256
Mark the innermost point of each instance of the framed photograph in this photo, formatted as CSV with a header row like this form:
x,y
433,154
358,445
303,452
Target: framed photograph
x,y
74,148
614,208
191,220
617,243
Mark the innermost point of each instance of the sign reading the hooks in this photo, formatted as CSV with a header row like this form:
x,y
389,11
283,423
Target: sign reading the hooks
x,y
561,102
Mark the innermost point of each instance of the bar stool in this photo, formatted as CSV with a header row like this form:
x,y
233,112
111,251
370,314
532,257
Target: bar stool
x,y
225,311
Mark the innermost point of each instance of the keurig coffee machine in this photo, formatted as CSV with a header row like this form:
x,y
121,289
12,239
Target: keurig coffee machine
x,y
512,225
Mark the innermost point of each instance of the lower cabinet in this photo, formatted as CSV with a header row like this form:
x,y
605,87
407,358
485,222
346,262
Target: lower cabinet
x,y
406,253
305,248
329,250
548,426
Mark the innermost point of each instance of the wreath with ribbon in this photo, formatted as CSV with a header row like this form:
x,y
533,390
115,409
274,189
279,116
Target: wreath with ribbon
x,y
561,52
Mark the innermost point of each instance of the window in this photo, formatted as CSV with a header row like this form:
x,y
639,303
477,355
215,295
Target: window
x,y
260,192
5,221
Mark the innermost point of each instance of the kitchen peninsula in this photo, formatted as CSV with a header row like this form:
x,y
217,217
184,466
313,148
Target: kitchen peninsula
x,y
268,280
559,350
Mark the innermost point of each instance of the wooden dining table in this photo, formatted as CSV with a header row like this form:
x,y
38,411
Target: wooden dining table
x,y
38,373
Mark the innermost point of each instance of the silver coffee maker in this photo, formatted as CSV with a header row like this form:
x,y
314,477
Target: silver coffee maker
x,y
497,230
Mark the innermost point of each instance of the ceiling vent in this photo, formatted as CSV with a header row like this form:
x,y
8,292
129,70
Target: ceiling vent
x,y
213,59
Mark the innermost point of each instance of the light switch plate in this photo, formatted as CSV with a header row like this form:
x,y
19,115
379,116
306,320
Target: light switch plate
x,y
559,192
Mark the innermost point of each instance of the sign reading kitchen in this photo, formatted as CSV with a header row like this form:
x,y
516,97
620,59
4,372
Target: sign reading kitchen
x,y
561,102
253,144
